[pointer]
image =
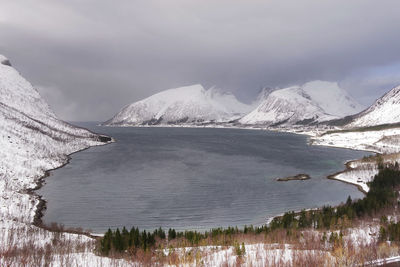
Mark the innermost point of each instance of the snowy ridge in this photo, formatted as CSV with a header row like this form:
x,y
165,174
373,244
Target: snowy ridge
x,y
184,105
284,106
310,103
18,93
385,110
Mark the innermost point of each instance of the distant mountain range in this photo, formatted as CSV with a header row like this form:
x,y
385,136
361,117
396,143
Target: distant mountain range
x,y
316,102
309,104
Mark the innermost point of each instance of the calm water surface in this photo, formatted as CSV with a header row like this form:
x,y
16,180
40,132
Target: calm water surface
x,y
192,179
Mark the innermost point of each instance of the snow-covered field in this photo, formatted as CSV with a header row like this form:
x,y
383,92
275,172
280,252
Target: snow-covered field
x,y
255,255
384,141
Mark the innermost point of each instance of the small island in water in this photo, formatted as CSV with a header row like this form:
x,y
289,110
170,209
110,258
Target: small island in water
x,y
300,176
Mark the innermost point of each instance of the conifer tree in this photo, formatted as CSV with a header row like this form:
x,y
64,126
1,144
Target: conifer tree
x,y
144,240
118,243
125,238
106,242
171,234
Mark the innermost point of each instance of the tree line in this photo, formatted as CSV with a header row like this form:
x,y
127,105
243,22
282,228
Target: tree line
x,y
382,194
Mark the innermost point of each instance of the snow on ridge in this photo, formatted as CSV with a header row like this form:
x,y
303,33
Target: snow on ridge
x,y
18,93
188,104
385,110
312,102
281,106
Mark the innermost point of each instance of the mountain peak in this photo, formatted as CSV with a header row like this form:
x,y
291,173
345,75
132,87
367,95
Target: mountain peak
x,y
4,61
188,104
312,102
17,92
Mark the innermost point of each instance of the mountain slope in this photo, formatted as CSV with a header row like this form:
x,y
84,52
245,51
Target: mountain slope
x,y
32,140
189,104
310,103
385,110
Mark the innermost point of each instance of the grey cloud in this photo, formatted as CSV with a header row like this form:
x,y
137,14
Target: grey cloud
x,y
101,55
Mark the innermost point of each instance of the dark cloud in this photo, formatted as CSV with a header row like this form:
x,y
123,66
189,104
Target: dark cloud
x,y
90,58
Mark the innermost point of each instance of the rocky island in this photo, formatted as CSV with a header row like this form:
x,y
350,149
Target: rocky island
x,y
300,176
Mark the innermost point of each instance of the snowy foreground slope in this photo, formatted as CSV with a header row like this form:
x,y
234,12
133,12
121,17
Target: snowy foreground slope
x,y
310,103
385,110
189,104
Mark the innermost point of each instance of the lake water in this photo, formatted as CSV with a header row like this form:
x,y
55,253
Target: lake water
x,y
189,178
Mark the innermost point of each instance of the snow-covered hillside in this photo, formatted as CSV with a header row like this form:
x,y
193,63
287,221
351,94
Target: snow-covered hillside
x,y
32,140
189,104
312,102
385,110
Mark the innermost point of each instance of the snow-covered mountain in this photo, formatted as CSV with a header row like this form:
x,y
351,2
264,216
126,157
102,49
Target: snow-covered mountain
x,y
189,104
32,140
385,110
310,103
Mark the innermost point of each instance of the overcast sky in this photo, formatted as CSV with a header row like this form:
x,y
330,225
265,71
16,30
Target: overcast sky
x,y
90,58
